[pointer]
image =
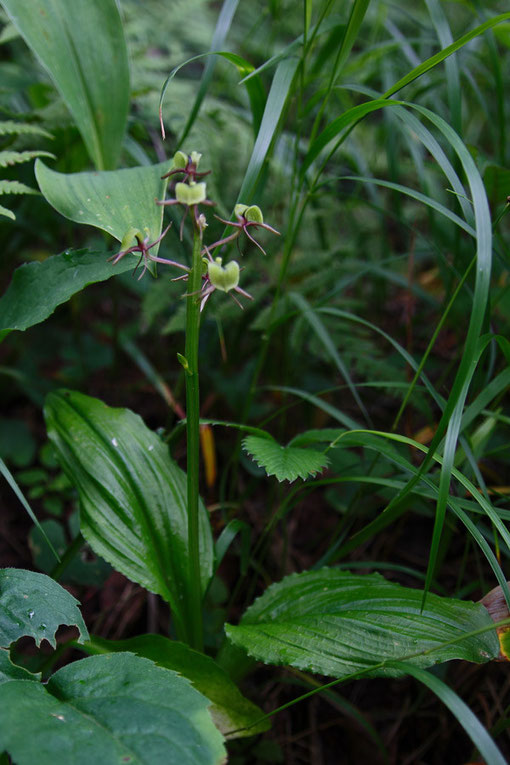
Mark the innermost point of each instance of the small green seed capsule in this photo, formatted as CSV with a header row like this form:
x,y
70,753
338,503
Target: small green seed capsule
x,y
224,278
190,194
240,209
195,157
180,160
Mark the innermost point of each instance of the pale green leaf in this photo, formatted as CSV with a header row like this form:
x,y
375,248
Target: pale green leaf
x,y
132,495
230,710
85,54
285,462
337,623
33,605
110,709
37,288
113,201
8,213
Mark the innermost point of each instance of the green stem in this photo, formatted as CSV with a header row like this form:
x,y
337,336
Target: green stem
x,y
194,605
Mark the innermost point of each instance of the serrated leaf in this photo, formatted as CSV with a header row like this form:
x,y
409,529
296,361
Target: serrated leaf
x,y
10,157
15,187
10,671
230,710
10,127
285,462
86,57
108,709
113,201
132,495
33,605
337,623
38,288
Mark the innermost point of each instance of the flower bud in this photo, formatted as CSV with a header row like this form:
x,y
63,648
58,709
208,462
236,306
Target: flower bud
x,y
251,213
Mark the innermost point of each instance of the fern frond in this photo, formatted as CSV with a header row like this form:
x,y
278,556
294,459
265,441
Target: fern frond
x,y
8,213
9,127
15,187
8,158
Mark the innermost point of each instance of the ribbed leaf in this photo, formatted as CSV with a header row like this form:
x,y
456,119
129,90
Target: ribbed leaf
x,y
113,201
85,54
110,709
33,605
230,710
337,623
132,495
38,288
285,462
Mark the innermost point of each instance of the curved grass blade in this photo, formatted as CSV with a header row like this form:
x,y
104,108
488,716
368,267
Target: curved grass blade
x,y
254,86
431,62
471,724
453,88
4,470
320,330
223,24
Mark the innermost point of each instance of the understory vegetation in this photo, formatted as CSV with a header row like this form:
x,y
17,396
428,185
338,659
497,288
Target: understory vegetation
x,y
254,322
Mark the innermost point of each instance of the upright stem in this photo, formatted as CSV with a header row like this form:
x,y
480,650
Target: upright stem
x,y
194,606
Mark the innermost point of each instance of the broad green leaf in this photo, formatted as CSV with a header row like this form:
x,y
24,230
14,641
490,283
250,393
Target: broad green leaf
x,y
10,671
230,710
337,623
85,53
285,462
110,709
33,605
37,288
132,495
116,201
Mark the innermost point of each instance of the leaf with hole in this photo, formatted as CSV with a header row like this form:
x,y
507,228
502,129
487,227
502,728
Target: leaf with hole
x,y
33,605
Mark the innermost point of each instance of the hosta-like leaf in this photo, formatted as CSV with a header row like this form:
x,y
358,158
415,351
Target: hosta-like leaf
x,y
38,288
285,462
336,623
114,201
85,54
33,605
132,495
230,710
110,709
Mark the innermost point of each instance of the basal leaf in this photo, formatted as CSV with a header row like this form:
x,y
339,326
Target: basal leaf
x,y
109,709
132,495
113,201
85,53
37,288
33,605
285,462
337,623
230,710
